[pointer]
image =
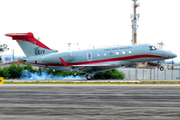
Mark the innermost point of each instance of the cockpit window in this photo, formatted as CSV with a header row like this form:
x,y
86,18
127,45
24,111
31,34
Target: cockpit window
x,y
152,48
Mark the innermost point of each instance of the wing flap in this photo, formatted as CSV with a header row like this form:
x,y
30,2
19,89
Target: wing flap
x,y
97,67
94,65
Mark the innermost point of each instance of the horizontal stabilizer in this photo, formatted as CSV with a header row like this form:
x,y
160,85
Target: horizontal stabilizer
x,y
29,44
16,34
29,37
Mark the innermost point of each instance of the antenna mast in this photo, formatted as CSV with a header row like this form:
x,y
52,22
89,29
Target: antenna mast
x,y
134,22
161,45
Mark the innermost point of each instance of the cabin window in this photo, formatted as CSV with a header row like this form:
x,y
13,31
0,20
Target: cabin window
x,y
89,56
111,53
123,52
98,54
152,48
130,52
117,53
104,54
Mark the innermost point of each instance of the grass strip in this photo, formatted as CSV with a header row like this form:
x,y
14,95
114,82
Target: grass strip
x,y
88,82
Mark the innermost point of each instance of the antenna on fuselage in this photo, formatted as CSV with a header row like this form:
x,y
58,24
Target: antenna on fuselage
x,y
134,22
69,46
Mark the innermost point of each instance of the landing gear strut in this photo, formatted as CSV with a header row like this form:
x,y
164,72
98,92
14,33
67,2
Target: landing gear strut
x,y
160,66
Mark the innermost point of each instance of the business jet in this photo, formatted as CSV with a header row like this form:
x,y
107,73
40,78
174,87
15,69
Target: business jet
x,y
86,61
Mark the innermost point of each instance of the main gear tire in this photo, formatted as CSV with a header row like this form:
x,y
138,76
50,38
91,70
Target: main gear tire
x,y
88,77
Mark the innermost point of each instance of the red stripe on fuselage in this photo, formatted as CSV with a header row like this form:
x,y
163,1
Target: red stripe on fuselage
x,y
116,59
104,60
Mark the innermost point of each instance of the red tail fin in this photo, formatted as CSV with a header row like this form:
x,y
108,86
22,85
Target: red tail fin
x,y
29,37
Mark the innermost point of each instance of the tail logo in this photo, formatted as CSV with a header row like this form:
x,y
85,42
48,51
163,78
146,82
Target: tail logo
x,y
39,52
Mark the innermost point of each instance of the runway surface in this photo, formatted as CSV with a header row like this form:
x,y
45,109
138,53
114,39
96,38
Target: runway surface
x,y
43,102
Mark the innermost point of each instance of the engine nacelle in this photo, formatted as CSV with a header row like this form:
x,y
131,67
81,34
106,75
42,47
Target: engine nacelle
x,y
54,57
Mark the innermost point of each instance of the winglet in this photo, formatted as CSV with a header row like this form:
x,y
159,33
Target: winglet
x,y
64,63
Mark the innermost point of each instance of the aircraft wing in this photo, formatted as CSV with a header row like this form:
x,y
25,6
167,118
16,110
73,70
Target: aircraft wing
x,y
90,67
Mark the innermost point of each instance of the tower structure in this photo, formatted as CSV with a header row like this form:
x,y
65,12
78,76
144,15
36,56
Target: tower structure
x,y
161,45
134,18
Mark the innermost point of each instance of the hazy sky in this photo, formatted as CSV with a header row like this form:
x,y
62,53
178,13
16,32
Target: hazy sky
x,y
90,22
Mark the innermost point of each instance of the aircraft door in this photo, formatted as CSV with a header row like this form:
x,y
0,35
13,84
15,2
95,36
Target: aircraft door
x,y
89,56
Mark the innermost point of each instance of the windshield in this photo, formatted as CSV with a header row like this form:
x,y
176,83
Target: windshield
x,y
152,48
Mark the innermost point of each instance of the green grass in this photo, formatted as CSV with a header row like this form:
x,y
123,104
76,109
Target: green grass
x,y
98,82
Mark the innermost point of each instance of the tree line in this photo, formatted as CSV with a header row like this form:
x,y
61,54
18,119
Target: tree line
x,y
14,71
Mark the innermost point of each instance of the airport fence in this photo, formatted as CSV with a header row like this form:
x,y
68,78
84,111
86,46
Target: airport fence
x,y
150,74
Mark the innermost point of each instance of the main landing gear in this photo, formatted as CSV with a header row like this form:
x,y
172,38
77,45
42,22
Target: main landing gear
x,y
89,77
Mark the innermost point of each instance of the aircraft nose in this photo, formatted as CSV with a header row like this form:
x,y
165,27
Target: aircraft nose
x,y
172,55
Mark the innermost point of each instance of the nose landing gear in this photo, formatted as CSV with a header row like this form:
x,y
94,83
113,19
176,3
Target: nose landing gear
x,y
161,68
160,65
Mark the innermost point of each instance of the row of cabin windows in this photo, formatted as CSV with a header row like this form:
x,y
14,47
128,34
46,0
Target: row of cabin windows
x,y
117,53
